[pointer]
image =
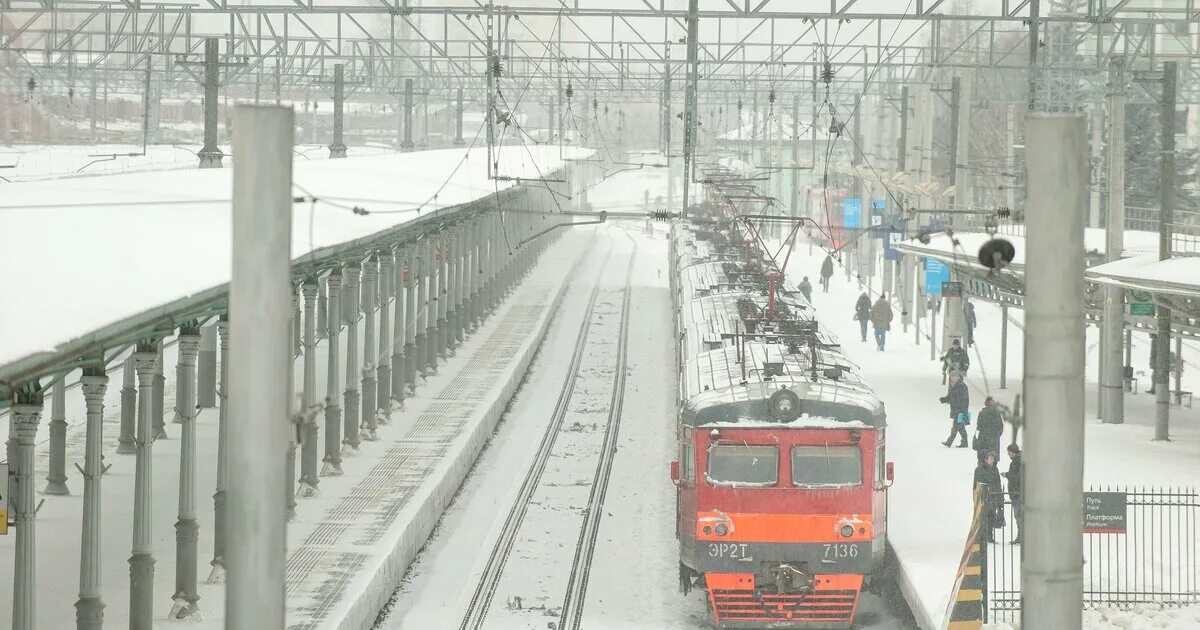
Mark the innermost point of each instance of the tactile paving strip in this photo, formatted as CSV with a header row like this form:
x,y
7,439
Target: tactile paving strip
x,y
320,570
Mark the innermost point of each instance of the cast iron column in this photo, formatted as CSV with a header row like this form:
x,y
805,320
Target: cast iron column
x,y
159,392
308,457
217,575
141,560
26,415
89,609
56,479
369,395
387,268
398,330
351,276
333,411
187,530
125,442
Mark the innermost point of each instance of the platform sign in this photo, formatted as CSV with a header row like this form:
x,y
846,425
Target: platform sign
x,y
852,213
878,213
1141,303
952,289
1104,512
936,273
896,230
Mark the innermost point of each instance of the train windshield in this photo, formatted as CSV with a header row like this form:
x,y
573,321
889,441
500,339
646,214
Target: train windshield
x,y
742,465
826,466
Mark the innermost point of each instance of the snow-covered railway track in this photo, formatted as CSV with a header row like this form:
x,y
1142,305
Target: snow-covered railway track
x,y
590,356
572,609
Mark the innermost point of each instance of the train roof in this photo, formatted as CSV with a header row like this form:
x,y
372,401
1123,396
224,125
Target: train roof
x,y
724,317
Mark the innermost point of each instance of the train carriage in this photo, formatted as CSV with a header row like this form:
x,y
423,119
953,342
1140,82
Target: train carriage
x,y
782,476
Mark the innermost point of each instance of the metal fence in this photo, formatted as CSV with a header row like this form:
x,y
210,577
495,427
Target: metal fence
x,y
1153,560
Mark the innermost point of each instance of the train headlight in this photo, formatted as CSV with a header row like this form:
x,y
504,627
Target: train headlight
x,y
721,529
847,531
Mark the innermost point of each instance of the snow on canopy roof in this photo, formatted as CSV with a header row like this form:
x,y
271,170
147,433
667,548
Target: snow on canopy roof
x,y
941,246
1179,275
72,270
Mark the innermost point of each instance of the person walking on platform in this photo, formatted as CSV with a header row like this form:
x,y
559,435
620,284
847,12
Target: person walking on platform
x,y
806,289
955,360
987,482
970,331
1016,488
862,313
881,319
989,428
959,400
826,272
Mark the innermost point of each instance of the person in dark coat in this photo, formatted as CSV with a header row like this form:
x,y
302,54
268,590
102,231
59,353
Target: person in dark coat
x,y
862,313
987,481
989,428
1016,488
956,359
970,316
959,400
826,272
881,319
806,289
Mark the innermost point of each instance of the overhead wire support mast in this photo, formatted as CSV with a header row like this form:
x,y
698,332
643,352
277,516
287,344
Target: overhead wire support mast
x,y
689,100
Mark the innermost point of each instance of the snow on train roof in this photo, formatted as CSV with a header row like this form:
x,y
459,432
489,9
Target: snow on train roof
x,y
709,320
805,421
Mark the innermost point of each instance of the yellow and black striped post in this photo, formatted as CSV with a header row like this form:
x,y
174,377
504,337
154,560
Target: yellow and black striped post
x,y
966,600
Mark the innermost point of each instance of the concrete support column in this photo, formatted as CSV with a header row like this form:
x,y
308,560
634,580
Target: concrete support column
x,y
217,575
332,465
26,415
141,560
89,608
296,324
187,529
338,148
399,326
308,457
56,479
210,155
1003,346
407,145
458,120
206,369
1112,325
1051,571
351,439
369,394
383,372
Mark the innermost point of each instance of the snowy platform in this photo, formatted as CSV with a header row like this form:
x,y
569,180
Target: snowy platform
x,y
108,248
1179,275
931,499
349,546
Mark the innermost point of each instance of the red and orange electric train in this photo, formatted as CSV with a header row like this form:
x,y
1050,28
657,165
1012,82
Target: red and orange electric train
x,y
782,476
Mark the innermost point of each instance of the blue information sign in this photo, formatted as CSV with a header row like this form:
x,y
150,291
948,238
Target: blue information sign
x,y
936,272
852,213
878,215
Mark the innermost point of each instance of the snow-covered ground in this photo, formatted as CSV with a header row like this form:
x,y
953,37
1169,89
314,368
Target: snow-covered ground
x,y
930,501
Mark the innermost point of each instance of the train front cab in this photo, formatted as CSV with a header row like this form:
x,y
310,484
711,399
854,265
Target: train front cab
x,y
785,526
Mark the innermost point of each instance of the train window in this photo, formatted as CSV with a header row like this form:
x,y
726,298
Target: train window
x,y
826,466
880,463
742,465
687,461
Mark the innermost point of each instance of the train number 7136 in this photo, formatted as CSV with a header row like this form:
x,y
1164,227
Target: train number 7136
x,y
839,552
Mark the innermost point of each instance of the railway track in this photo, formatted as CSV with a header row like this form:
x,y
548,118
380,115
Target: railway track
x,y
477,609
571,615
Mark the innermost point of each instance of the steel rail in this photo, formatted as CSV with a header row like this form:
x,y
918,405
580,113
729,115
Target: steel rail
x,y
477,609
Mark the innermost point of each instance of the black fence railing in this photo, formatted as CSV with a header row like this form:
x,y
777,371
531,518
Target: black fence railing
x,y
1140,548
